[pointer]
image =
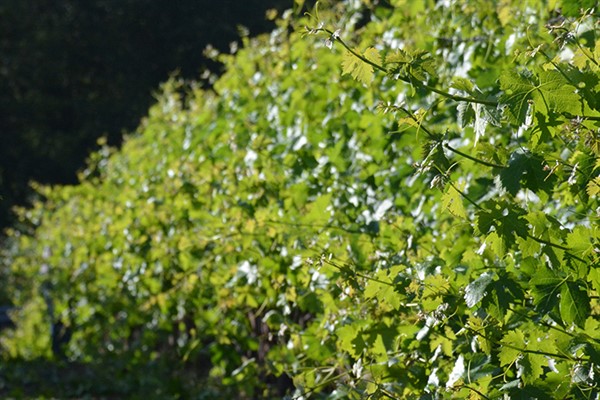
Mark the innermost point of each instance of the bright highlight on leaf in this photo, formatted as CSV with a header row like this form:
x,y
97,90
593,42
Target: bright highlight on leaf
x,y
475,291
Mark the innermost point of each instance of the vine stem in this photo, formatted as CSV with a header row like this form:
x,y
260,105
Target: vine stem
x,y
557,246
529,351
358,274
446,145
477,160
464,195
474,390
539,240
407,80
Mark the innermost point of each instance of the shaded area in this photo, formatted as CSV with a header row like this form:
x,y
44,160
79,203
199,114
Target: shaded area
x,y
5,320
73,71
110,380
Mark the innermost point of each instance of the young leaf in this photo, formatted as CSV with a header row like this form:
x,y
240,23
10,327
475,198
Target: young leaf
x,y
350,338
465,114
319,210
593,187
360,70
453,202
594,277
463,84
481,121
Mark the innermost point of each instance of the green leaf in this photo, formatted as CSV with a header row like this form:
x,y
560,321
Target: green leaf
x,y
350,338
517,92
528,168
319,210
546,285
381,287
553,93
399,56
572,8
504,292
475,291
463,84
495,244
556,94
533,367
360,70
511,177
546,277
453,202
580,241
516,340
528,246
593,187
507,220
465,115
594,278
574,304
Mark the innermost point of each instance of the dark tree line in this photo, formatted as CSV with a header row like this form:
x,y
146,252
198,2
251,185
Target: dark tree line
x,y
72,71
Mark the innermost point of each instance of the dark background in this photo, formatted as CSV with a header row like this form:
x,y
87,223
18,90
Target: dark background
x,y
72,71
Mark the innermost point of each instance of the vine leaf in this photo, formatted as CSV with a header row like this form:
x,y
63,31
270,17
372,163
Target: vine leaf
x,y
417,64
517,91
546,285
574,304
593,187
350,338
527,168
463,84
453,202
506,219
552,93
532,365
528,246
475,291
556,93
580,241
319,210
573,8
510,177
476,115
594,277
515,341
360,70
383,289
503,292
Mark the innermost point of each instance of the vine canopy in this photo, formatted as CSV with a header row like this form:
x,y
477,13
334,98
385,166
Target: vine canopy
x,y
378,200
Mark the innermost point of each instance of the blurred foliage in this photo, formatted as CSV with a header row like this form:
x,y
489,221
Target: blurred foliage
x,y
390,200
73,71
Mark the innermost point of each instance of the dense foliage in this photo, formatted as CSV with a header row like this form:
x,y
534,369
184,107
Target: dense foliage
x,y
73,71
396,201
